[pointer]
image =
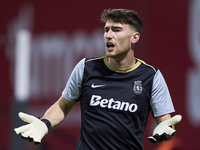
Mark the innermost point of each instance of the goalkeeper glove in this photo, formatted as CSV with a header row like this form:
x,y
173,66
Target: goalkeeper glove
x,y
35,130
163,131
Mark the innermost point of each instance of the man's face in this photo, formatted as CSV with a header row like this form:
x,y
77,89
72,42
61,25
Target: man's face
x,y
118,38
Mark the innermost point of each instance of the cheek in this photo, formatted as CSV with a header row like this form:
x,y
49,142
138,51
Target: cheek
x,y
104,36
125,42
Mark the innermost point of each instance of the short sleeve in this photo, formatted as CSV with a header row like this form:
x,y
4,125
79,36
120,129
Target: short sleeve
x,y
161,102
72,90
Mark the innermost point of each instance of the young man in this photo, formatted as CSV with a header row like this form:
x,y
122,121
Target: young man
x,y
116,93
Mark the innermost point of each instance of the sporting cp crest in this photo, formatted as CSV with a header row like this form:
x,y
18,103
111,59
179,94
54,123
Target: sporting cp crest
x,y
137,88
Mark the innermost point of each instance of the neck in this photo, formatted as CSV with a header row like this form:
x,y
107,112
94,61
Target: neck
x,y
122,61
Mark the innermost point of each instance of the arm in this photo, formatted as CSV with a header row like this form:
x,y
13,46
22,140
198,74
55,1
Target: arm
x,y
58,111
162,107
36,129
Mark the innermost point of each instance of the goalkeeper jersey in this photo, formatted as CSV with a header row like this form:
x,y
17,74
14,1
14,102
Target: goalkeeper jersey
x,y
115,103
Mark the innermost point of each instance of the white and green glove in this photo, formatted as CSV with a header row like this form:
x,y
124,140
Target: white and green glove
x,y
163,131
35,130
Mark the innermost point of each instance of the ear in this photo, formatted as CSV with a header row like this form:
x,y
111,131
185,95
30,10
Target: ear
x,y
135,37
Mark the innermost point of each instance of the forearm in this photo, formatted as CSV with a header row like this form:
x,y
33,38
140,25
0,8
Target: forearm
x,y
58,111
54,114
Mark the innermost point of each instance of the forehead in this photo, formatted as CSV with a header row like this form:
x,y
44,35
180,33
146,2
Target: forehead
x,y
111,23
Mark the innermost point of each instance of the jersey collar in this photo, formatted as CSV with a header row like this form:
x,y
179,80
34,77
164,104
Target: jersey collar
x,y
122,70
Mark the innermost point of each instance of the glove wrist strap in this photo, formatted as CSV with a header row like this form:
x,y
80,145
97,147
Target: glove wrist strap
x,y
47,122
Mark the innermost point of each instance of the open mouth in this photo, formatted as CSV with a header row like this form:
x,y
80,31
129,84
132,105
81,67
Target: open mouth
x,y
110,45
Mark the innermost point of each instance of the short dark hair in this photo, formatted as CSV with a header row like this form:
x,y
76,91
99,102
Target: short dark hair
x,y
123,16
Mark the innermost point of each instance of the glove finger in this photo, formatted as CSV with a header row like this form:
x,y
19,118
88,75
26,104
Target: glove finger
x,y
171,131
29,135
37,143
21,129
26,134
23,137
165,136
25,117
30,139
37,139
174,120
158,138
152,139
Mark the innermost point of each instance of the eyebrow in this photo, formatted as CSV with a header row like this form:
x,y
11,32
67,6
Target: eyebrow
x,y
113,27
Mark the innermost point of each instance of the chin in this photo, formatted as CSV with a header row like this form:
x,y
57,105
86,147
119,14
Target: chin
x,y
110,53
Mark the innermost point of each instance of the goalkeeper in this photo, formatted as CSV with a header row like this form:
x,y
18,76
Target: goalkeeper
x,y
116,93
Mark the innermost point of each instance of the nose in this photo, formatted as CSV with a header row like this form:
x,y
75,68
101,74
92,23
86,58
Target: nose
x,y
108,34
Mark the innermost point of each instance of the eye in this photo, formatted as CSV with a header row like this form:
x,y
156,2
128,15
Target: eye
x,y
106,29
116,29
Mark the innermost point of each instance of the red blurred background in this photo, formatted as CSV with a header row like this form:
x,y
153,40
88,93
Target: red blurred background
x,y
63,32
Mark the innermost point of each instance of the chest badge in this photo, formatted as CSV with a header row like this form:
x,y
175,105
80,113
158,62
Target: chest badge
x,y
137,88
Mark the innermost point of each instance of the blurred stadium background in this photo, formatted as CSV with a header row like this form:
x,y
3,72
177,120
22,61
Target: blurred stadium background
x,y
60,33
